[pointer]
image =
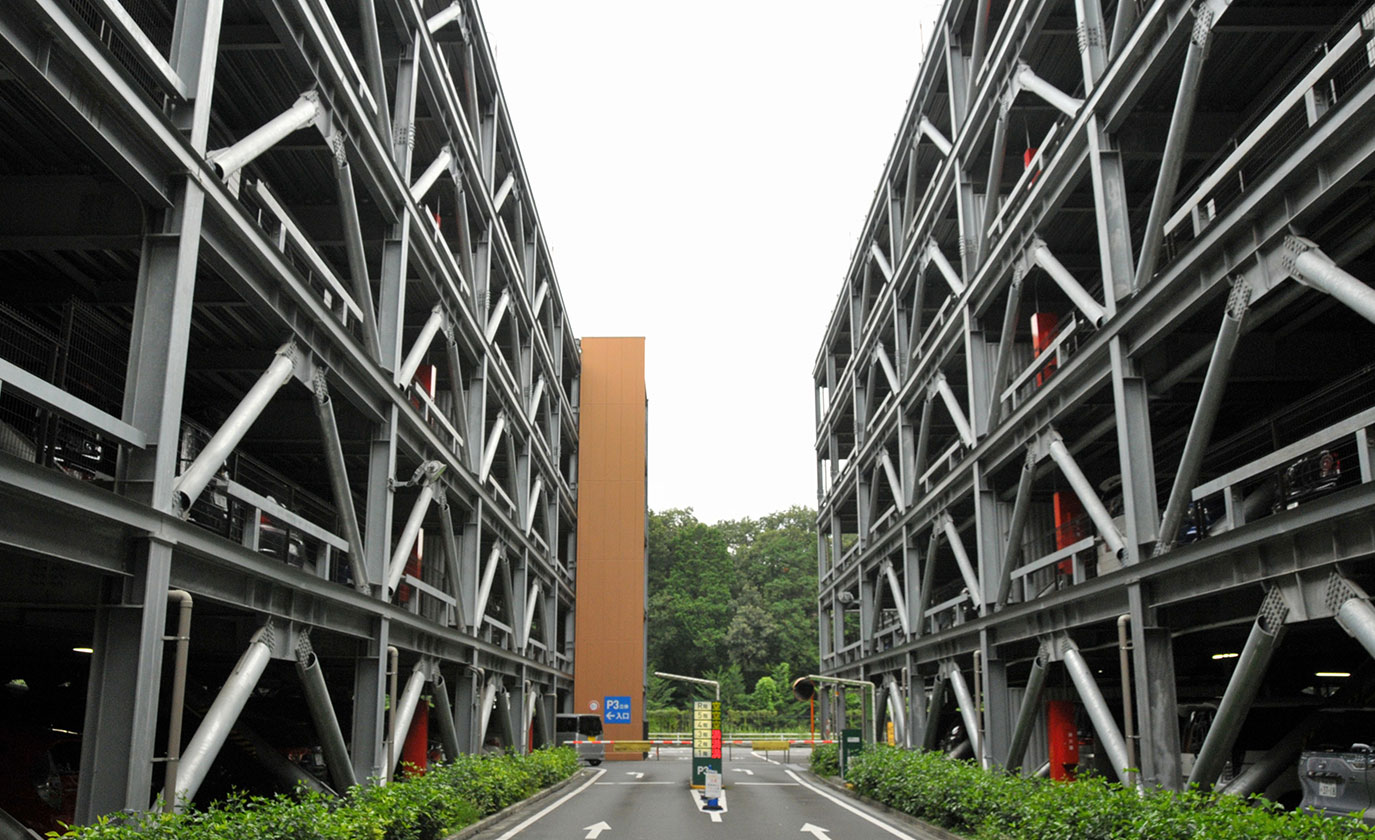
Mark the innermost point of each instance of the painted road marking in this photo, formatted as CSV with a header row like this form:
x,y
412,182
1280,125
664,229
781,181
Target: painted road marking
x,y
766,758
701,804
636,775
817,831
852,809
595,829
556,803
742,770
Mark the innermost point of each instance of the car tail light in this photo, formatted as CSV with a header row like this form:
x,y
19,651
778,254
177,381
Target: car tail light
x,y
1329,464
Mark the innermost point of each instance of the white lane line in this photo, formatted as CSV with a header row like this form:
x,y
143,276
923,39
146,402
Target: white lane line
x,y
765,758
852,809
766,784
600,784
529,821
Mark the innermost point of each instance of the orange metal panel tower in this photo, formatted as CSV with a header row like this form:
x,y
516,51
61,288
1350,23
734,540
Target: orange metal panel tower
x,y
609,633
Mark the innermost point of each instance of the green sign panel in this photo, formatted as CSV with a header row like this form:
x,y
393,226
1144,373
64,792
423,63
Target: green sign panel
x,y
851,745
706,740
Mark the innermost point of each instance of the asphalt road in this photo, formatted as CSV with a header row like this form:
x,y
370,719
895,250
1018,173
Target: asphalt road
x,y
650,800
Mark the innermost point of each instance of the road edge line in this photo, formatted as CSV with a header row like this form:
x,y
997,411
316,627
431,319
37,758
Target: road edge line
x,y
852,809
530,820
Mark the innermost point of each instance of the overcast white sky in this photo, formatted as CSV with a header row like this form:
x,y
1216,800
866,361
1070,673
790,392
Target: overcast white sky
x,y
702,171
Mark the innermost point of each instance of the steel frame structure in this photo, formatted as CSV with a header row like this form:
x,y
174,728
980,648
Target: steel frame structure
x,y
310,223
1188,163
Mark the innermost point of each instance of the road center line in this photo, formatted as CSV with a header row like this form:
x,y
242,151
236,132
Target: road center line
x,y
852,809
529,821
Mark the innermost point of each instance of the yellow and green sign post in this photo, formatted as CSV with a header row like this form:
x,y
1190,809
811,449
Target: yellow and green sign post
x,y
706,740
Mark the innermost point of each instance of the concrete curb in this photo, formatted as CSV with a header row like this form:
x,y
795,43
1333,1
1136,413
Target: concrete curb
x,y
919,828
519,808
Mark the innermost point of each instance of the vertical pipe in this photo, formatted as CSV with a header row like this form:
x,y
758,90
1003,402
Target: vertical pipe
x,y
1021,509
1026,715
1236,700
1103,724
178,698
339,486
392,749
323,716
1172,160
968,711
190,483
1128,722
1088,497
214,729
444,716
1205,416
979,705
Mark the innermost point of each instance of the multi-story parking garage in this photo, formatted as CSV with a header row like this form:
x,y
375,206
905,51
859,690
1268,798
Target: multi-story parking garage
x,y
1094,405
287,395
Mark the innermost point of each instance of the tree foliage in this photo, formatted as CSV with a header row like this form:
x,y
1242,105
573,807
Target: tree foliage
x,y
734,602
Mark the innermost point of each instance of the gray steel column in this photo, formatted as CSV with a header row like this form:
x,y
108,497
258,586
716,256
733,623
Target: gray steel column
x,y
323,716
1006,340
932,736
339,484
123,687
357,258
405,712
993,187
1176,141
928,578
1357,617
1158,720
1027,713
224,711
1205,415
1103,724
1088,497
444,717
369,704
1265,637
969,712
1311,267
1021,508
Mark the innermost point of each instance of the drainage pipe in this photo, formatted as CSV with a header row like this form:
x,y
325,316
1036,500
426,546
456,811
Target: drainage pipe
x,y
178,700
1124,647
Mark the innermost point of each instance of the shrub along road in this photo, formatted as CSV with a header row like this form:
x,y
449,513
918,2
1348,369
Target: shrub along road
x,y
650,800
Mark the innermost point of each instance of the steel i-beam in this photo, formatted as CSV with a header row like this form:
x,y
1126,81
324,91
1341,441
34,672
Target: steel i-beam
x,y
214,729
189,484
1027,714
1241,690
428,475
322,714
339,484
1205,415
357,259
1099,712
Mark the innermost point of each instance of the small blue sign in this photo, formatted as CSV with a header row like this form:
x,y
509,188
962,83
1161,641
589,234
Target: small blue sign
x,y
616,710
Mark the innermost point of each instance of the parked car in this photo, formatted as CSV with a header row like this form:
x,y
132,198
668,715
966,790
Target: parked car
x,y
39,786
1308,477
1339,782
586,730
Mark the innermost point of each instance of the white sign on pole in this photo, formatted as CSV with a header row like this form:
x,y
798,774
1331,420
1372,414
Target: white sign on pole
x,y
713,785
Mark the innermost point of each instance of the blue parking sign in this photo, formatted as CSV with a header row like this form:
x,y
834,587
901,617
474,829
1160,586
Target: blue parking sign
x,y
616,710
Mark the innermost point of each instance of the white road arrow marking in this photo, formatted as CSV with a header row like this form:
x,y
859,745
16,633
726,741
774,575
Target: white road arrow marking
x,y
636,775
596,829
817,831
742,770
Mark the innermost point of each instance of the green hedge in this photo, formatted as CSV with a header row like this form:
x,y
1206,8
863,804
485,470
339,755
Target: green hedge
x,y
426,807
958,795
825,759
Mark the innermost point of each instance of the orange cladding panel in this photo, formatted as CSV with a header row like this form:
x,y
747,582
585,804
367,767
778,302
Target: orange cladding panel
x,y
609,631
